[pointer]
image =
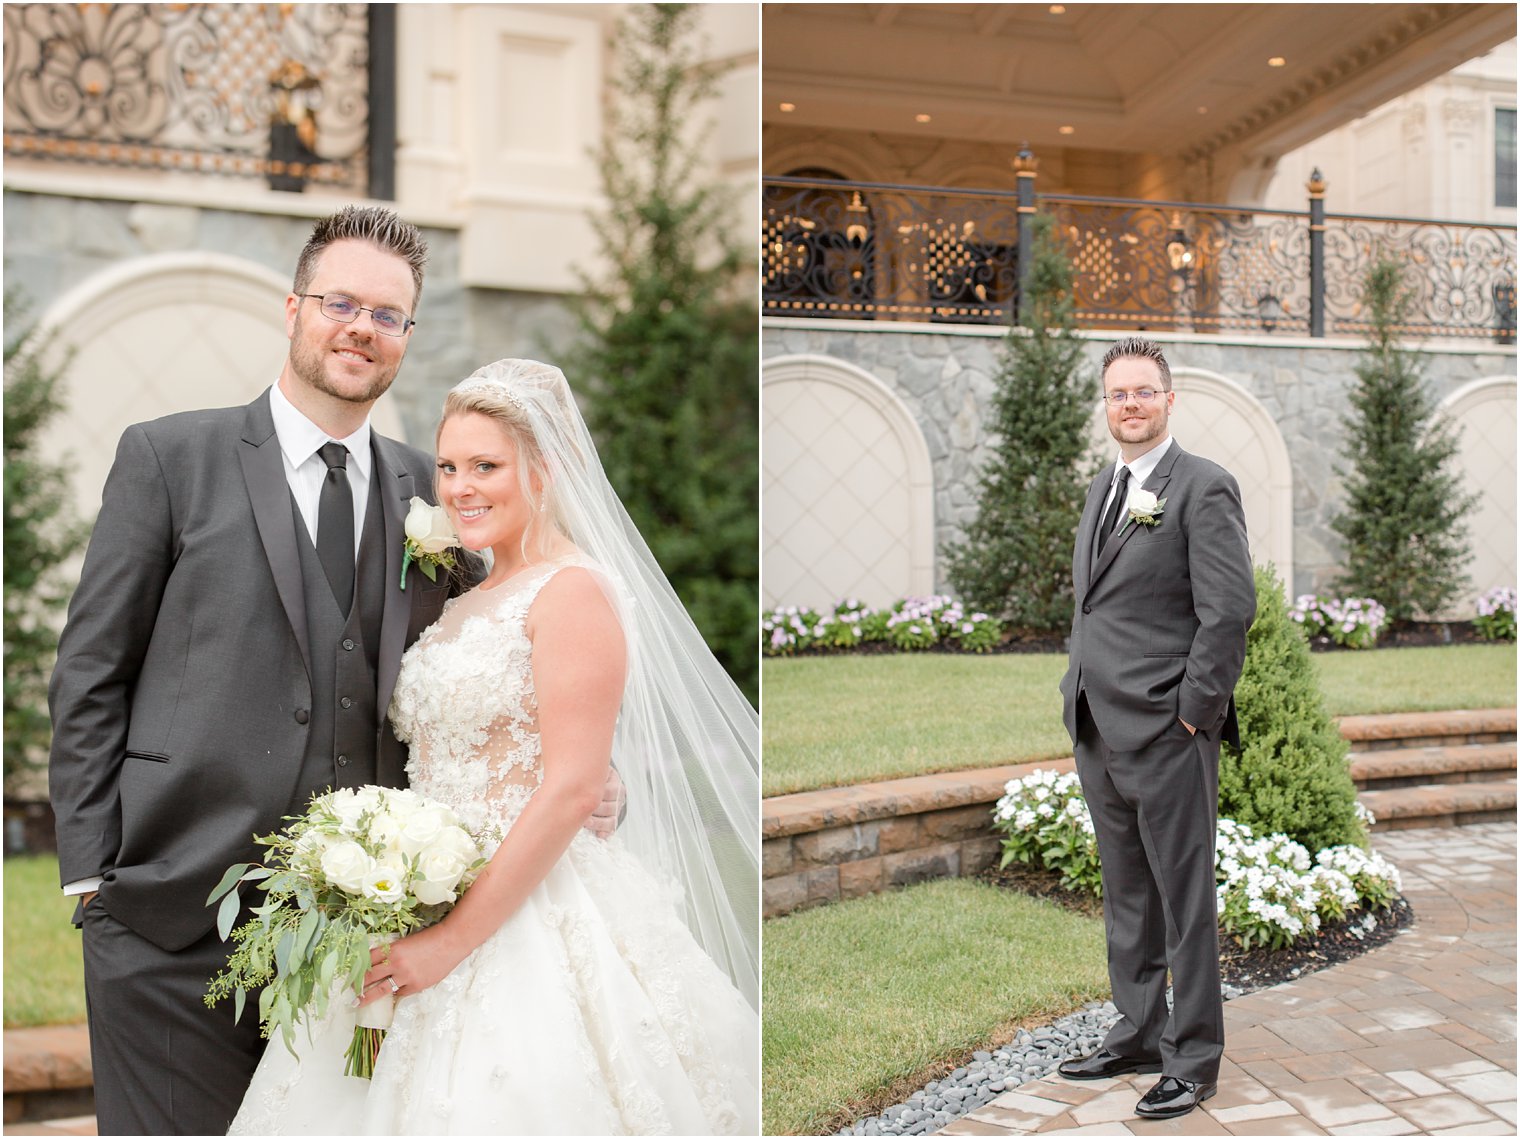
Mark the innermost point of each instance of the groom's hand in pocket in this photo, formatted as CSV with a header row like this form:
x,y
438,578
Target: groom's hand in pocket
x,y
609,812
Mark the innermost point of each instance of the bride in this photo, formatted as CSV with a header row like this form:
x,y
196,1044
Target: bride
x,y
581,985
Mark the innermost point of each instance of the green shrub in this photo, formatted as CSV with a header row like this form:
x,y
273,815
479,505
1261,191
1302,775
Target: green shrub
x,y
1290,775
1015,559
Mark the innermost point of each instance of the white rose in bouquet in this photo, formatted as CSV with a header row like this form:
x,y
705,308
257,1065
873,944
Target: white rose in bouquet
x,y
458,841
345,864
421,828
385,830
438,872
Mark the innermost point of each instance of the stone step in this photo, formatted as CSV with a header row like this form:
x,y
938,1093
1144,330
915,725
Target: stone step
x,y
1416,766
843,842
1441,804
1428,729
48,1075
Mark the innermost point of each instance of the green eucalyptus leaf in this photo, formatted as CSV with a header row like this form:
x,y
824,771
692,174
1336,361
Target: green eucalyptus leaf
x,y
226,915
239,998
230,879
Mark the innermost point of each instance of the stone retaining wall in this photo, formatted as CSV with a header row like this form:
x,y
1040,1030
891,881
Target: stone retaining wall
x,y
845,842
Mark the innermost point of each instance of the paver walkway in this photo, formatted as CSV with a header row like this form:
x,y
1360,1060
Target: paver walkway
x,y
1416,1037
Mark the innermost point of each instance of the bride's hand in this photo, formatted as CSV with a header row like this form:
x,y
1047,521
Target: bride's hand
x,y
412,964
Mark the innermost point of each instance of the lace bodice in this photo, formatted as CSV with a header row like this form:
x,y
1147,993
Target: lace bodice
x,y
465,702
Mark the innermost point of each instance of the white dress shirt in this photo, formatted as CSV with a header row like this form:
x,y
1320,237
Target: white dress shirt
x,y
1140,470
300,439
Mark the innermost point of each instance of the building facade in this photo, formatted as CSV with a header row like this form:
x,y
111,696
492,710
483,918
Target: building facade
x,y
164,164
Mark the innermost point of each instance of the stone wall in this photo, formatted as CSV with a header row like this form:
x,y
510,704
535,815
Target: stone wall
x,y
945,376
54,243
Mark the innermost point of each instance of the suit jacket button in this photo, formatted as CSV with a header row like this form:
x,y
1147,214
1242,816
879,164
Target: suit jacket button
x,y
343,761
302,715
1087,608
348,643
346,702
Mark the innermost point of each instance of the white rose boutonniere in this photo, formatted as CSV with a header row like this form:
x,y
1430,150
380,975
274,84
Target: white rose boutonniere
x,y
1144,508
429,538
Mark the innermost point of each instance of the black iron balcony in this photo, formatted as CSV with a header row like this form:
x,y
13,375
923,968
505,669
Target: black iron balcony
x,y
872,251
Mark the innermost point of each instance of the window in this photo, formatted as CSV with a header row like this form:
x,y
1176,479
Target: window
x,y
1504,157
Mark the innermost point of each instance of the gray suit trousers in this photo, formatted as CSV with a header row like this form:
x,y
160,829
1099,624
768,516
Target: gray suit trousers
x,y
164,1063
1155,811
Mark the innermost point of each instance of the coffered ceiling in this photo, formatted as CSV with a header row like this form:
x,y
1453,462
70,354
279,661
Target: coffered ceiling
x,y
1188,82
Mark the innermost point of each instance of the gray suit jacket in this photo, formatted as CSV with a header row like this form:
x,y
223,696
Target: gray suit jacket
x,y
1160,624
182,690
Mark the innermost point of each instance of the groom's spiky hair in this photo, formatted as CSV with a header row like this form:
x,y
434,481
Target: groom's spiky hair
x,y
1139,348
374,224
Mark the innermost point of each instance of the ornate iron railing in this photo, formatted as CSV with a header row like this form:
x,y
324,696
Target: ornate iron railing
x,y
887,252
1461,277
878,252
1172,266
278,91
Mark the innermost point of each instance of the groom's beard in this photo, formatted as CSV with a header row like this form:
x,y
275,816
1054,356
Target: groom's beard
x,y
309,363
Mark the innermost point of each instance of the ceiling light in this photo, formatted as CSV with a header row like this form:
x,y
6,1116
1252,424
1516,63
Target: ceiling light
x,y
1277,61
1058,9
1068,130
788,107
921,118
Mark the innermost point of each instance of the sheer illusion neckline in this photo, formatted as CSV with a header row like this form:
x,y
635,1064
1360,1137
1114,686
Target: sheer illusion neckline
x,y
527,571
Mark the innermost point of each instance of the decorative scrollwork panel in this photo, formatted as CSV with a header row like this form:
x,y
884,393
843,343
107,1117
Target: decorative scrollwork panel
x,y
1458,277
189,86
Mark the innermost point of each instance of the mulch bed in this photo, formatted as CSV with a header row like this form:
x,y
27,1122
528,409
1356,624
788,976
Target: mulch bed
x,y
1247,970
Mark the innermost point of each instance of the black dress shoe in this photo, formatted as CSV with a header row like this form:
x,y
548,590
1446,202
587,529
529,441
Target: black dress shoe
x,y
1173,1096
1102,1064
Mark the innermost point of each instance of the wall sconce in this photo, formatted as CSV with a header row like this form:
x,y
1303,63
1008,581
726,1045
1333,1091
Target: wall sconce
x,y
856,230
1179,251
1504,311
1270,309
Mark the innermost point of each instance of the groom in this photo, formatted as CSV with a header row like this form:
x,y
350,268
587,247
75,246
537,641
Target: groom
x,y
231,649
1164,596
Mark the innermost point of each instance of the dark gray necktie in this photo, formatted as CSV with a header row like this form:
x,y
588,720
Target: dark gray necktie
x,y
335,525
1111,515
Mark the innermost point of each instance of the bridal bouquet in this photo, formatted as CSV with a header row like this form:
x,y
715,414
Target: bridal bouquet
x,y
361,867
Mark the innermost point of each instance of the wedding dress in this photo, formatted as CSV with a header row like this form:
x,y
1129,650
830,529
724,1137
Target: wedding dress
x,y
591,1010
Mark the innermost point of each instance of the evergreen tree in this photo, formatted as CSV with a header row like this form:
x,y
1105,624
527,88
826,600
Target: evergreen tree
x,y
1291,775
39,534
1406,544
1015,559
670,344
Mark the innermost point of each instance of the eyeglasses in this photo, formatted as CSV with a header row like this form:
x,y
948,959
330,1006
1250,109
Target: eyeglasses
x,y
346,310
1120,396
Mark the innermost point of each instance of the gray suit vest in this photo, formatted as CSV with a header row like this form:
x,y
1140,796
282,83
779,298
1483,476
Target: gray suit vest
x,y
340,743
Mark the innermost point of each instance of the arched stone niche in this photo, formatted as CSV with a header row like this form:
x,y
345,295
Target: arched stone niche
x,y
847,503
1483,413
157,335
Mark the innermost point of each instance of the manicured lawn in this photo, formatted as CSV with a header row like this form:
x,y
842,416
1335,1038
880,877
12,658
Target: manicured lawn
x,y
831,721
867,1000
44,964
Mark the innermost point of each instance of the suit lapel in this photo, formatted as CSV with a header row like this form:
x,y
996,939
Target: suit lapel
x,y
1155,484
396,486
269,492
